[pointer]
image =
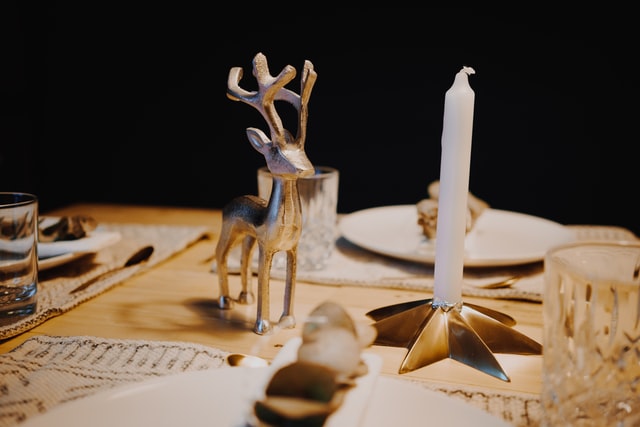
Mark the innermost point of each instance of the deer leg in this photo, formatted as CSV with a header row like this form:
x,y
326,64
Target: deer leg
x,y
263,322
225,301
246,295
287,319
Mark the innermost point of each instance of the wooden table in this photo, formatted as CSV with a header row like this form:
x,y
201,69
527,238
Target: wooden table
x,y
176,300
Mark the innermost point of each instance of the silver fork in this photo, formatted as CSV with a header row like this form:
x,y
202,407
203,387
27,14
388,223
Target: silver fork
x,y
500,284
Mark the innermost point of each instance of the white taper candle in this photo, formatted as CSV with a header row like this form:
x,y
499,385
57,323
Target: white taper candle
x,y
454,188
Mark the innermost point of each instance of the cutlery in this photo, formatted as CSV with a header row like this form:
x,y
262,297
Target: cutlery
x,y
138,257
240,359
499,284
504,283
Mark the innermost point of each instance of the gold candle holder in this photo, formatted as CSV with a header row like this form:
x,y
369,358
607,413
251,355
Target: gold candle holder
x,y
464,332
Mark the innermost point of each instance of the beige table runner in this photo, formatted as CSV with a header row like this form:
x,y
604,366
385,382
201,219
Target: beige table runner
x,y
353,266
46,371
56,284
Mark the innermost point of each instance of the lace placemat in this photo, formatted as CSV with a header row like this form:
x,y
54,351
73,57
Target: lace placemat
x,y
47,371
56,285
354,266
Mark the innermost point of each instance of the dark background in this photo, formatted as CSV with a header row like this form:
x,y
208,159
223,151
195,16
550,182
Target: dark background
x,y
127,103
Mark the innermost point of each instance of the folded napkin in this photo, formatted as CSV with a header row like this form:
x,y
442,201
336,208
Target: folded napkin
x,y
55,285
46,371
353,266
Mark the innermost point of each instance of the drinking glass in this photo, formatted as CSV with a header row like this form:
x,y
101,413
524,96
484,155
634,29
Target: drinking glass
x,y
18,255
319,200
591,350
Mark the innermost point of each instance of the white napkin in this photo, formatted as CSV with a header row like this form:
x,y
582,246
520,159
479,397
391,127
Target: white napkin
x,y
351,411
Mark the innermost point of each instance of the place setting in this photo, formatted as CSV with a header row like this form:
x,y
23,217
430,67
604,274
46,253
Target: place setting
x,y
79,258
503,251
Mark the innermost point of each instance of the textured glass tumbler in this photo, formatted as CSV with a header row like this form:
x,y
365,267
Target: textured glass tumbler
x,y
319,200
591,351
18,255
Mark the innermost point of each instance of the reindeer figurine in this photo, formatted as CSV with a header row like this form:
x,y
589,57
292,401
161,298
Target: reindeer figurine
x,y
275,224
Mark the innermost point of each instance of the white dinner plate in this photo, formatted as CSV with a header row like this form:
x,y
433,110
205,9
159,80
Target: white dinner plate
x,y
52,254
54,261
498,238
218,397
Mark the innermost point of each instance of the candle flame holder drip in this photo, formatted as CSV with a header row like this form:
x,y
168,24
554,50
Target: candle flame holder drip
x,y
433,331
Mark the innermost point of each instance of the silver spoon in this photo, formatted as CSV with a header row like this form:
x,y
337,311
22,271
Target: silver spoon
x,y
139,256
247,360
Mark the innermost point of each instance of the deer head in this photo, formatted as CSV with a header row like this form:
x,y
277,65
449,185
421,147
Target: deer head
x,y
283,153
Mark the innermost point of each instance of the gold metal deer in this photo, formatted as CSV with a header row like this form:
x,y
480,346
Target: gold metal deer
x,y
275,224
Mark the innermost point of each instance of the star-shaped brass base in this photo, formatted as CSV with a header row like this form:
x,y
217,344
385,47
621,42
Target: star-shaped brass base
x,y
464,332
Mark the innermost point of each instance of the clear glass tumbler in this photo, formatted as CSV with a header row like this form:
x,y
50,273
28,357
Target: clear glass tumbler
x,y
319,201
591,350
18,255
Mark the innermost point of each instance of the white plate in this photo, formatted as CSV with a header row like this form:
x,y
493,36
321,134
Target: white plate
x,y
54,261
52,254
498,238
219,397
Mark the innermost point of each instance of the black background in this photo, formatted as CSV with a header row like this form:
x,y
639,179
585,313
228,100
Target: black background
x,y
109,102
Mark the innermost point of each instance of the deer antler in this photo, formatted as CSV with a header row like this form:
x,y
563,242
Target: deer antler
x,y
263,100
271,89
309,77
